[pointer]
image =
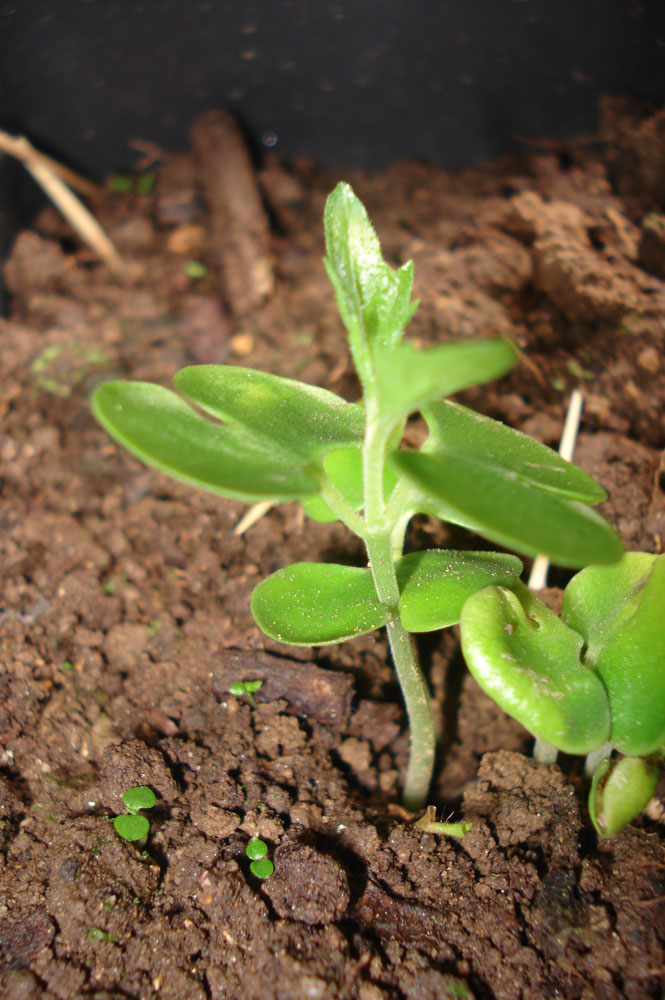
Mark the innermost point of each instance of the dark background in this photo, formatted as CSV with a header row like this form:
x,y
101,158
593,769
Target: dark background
x,y
345,82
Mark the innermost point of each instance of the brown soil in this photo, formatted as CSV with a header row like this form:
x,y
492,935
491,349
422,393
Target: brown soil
x,y
125,605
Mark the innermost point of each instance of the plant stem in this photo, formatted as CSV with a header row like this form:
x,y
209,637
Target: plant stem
x,y
544,752
422,736
379,538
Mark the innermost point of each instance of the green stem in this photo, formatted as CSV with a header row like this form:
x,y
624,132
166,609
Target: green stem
x,y
341,509
422,735
379,538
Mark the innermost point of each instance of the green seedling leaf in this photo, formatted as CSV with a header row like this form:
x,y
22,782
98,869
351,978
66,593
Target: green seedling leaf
x,y
246,689
313,604
374,301
264,458
529,663
256,849
195,269
457,429
511,489
429,824
263,868
435,584
132,827
281,413
620,612
620,790
409,379
239,688
139,797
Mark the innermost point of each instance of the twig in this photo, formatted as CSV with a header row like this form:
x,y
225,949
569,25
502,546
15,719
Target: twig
x,y
538,577
49,175
22,149
254,514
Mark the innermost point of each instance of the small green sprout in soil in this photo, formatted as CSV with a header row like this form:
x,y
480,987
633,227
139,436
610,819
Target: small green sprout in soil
x,y
96,934
280,440
429,824
260,864
245,689
591,682
132,825
195,269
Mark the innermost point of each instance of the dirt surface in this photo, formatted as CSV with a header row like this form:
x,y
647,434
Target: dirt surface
x,y
125,604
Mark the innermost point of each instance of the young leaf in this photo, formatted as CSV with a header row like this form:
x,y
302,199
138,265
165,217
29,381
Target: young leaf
x,y
284,414
458,430
620,790
261,460
139,797
529,663
313,604
620,611
131,827
511,489
408,379
435,584
374,301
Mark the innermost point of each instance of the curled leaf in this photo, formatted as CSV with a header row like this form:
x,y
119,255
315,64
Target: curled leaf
x,y
620,790
529,663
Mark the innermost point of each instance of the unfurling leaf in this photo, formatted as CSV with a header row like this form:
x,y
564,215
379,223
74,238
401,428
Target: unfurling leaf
x,y
374,300
620,790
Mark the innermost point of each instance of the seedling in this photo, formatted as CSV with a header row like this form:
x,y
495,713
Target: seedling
x,y
245,689
430,824
260,864
282,440
132,825
591,682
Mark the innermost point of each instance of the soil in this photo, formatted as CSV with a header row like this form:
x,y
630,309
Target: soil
x,y
125,601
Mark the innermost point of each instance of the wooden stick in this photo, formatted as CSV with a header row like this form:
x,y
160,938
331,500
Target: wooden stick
x,y
49,176
22,149
254,514
571,426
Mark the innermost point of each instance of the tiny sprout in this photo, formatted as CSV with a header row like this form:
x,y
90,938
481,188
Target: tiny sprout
x,y
256,849
195,269
429,824
120,184
97,934
261,866
130,825
245,689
